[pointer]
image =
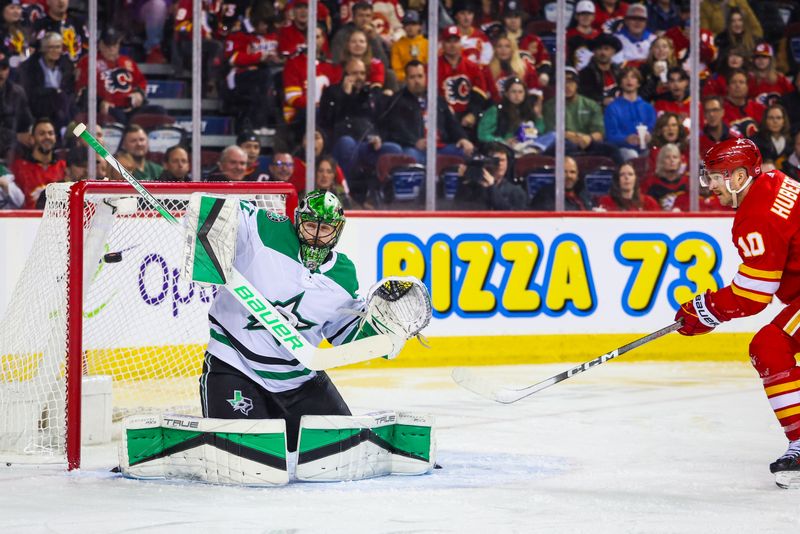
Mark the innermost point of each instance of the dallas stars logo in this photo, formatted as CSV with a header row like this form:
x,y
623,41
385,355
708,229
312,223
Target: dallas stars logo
x,y
289,309
276,217
240,403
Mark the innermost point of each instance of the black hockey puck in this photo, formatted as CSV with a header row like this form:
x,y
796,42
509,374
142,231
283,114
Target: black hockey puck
x,y
112,257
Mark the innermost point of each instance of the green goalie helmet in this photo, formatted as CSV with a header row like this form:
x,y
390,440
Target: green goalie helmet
x,y
318,220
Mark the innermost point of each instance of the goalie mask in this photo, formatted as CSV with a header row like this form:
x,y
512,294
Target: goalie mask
x,y
318,220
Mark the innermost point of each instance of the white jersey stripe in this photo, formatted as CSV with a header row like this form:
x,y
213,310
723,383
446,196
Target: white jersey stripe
x,y
787,399
761,286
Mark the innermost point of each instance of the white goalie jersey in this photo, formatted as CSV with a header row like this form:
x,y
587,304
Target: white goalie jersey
x,y
318,304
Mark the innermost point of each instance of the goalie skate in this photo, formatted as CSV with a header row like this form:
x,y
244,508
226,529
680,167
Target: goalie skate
x,y
787,467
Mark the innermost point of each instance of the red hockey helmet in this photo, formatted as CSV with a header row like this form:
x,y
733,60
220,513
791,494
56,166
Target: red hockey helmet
x,y
727,156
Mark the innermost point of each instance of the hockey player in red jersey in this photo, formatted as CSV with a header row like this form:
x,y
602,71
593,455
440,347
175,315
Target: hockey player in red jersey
x,y
766,232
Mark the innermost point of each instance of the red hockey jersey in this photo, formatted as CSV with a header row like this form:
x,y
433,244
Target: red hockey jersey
x,y
532,49
766,233
295,83
744,119
32,178
115,81
184,16
497,85
456,83
476,47
291,41
767,93
244,50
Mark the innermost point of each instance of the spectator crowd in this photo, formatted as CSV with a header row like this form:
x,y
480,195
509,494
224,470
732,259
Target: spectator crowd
x,y
626,90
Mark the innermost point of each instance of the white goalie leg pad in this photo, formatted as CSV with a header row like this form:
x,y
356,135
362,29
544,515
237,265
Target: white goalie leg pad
x,y
218,451
338,448
210,240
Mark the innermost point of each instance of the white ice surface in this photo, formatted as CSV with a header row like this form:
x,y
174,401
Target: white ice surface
x,y
626,447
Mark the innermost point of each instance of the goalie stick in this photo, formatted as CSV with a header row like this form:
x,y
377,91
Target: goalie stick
x,y
250,297
472,381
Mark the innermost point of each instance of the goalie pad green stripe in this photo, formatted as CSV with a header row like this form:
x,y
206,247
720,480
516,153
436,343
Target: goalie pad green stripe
x,y
404,440
355,447
246,452
152,444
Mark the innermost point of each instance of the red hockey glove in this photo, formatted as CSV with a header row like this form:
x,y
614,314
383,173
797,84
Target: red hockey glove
x,y
698,316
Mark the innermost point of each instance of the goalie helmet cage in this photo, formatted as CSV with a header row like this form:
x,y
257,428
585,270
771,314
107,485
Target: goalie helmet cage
x,y
100,295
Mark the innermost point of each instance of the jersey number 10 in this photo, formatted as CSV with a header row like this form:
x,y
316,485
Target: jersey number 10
x,y
754,245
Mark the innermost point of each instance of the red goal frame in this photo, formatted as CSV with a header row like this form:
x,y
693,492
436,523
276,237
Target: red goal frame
x,y
74,348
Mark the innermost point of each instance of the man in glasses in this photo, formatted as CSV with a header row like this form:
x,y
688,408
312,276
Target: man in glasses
x,y
281,167
715,129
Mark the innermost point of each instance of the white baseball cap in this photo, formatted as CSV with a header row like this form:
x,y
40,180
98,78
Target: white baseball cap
x,y
585,6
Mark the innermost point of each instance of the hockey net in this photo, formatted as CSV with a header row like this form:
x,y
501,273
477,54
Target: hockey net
x,y
100,298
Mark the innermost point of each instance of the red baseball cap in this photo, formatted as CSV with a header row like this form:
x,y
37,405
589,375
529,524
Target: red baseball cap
x,y
450,32
763,49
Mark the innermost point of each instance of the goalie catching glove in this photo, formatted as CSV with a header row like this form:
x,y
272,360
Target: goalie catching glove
x,y
400,307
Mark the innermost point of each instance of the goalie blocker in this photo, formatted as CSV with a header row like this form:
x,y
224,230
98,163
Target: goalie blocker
x,y
253,452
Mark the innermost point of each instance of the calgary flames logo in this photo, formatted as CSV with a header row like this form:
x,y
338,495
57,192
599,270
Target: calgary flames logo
x,y
746,126
117,80
456,89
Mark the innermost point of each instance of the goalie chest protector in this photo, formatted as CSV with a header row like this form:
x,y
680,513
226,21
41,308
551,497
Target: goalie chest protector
x,y
316,303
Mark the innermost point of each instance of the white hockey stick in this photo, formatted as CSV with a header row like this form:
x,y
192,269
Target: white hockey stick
x,y
250,297
474,382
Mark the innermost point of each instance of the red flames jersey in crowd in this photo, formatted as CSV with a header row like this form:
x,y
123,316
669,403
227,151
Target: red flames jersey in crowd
x,y
497,85
183,18
476,47
32,178
607,22
532,49
295,83
244,50
376,73
291,41
115,81
716,84
666,193
457,82
744,119
680,40
682,108
766,232
767,93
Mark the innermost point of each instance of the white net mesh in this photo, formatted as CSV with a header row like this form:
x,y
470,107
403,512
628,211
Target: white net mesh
x,y
142,326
